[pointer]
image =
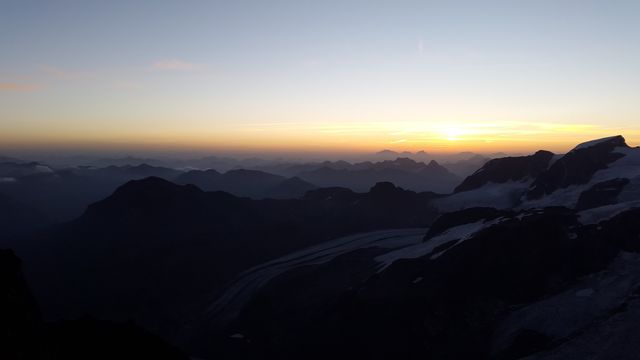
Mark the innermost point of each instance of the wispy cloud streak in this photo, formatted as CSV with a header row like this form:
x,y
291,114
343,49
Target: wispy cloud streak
x,y
17,87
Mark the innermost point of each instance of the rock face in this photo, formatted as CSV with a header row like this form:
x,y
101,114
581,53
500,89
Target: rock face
x,y
601,194
508,169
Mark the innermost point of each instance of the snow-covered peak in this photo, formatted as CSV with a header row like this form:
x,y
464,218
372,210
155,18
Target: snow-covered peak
x,y
617,140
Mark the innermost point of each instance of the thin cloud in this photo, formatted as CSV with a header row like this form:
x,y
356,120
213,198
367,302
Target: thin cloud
x,y
174,65
17,87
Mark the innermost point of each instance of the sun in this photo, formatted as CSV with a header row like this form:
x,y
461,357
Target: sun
x,y
452,133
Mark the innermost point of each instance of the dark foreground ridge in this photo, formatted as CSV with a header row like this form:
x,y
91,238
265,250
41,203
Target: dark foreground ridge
x,y
23,335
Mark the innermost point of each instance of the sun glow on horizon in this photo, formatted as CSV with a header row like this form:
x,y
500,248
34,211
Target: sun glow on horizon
x,y
452,133
333,137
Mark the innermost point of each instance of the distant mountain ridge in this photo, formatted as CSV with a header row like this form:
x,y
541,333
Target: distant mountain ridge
x,y
404,172
252,183
62,193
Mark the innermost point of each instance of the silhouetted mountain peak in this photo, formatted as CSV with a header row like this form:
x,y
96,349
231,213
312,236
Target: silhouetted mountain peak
x,y
607,143
152,193
384,187
154,186
517,168
578,165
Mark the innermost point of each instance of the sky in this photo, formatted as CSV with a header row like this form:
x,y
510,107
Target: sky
x,y
307,76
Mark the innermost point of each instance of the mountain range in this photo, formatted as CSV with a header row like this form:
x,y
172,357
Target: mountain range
x,y
534,257
554,273
60,194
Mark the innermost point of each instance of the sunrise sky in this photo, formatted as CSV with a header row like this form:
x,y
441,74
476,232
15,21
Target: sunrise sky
x,y
331,75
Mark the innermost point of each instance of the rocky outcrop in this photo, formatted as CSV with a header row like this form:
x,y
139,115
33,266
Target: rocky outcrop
x,y
501,170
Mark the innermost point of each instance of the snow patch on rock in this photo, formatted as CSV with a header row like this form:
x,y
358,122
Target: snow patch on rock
x,y
458,233
499,196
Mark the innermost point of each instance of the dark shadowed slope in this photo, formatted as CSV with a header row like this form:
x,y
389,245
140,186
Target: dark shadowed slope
x,y
16,219
153,249
23,335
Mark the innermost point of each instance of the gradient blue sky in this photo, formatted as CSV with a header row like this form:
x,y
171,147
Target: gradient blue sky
x,y
318,75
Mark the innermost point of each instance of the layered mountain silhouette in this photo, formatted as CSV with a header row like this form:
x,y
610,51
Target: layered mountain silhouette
x,y
63,193
250,183
466,167
533,257
403,172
